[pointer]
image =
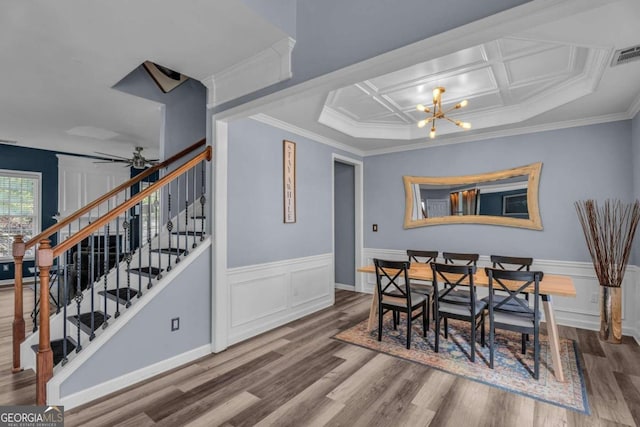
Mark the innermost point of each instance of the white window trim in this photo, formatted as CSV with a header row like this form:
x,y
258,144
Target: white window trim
x,y
37,202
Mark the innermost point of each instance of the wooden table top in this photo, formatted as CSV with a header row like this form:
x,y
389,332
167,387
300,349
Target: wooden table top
x,y
551,284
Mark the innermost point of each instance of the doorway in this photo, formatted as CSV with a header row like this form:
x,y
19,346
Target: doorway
x,y
344,230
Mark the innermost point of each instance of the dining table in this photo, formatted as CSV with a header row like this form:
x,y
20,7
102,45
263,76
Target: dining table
x,y
550,285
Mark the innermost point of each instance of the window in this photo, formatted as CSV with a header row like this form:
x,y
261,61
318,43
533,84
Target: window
x,y
19,209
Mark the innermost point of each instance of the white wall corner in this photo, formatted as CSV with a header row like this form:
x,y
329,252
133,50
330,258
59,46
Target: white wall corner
x,y
263,69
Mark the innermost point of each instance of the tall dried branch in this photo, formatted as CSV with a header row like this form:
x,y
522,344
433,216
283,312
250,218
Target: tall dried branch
x,y
609,231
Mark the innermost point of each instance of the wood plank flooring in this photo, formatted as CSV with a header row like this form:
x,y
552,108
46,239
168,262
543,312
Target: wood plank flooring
x,y
297,375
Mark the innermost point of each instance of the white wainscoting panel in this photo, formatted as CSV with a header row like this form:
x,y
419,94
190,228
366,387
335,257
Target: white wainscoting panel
x,y
265,296
581,311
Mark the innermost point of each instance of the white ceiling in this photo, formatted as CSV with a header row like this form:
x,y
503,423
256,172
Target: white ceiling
x,y
60,60
552,75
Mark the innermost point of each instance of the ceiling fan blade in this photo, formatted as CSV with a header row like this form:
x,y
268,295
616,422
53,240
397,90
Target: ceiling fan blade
x,y
111,155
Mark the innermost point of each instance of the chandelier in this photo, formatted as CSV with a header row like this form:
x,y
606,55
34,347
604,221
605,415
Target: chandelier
x,y
437,113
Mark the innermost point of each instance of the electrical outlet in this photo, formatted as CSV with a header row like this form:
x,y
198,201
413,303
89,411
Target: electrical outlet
x,y
594,298
175,324
375,228
5,267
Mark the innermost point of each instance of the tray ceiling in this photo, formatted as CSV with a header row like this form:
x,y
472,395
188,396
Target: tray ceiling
x,y
506,81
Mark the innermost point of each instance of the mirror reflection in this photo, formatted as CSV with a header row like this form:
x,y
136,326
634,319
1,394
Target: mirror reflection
x,y
507,197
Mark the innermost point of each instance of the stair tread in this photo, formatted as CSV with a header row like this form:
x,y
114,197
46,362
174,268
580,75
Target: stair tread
x,y
57,349
191,233
146,271
120,295
171,251
85,320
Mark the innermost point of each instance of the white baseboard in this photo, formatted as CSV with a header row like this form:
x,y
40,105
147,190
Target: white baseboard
x,y
579,312
345,287
131,378
265,296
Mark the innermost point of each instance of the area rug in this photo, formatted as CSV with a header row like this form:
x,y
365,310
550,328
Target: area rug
x,y
512,370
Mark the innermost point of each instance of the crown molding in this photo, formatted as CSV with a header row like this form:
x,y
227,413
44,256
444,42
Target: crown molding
x,y
634,108
503,133
272,121
263,69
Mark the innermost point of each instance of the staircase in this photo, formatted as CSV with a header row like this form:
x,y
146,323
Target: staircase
x,y
110,265
127,283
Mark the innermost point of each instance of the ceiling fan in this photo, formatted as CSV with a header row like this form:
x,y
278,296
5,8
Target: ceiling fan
x,y
138,161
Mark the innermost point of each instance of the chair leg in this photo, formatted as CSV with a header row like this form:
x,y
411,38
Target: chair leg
x,y
395,320
446,328
425,318
536,356
491,344
524,344
427,306
473,339
409,328
380,323
482,338
437,343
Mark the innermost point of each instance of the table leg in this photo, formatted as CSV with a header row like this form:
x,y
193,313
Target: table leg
x,y
373,311
554,339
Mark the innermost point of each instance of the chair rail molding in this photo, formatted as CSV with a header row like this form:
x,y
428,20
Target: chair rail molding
x,y
580,312
263,69
264,296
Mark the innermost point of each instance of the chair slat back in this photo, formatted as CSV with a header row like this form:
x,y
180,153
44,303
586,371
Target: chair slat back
x,y
452,277
518,263
468,259
392,279
423,257
514,283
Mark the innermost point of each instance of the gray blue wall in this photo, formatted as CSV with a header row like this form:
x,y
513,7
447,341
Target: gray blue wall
x,y
33,160
256,232
185,108
578,163
345,223
635,147
148,338
333,34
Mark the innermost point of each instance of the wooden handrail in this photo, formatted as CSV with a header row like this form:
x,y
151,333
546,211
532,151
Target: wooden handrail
x,y
72,241
77,214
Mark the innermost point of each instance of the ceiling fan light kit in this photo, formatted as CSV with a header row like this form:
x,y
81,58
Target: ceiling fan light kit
x,y
437,112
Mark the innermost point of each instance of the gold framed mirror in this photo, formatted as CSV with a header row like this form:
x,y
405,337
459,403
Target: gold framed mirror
x,y
507,197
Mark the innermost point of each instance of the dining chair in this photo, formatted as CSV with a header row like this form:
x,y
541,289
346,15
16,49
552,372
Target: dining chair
x,y
517,264
455,298
467,259
421,286
513,312
395,295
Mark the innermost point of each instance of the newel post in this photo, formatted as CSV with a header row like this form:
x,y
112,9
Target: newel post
x,y
18,305
44,360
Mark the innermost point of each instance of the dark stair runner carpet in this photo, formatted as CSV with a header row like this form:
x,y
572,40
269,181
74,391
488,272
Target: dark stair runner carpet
x,y
57,350
190,233
146,271
120,295
170,251
85,321
198,217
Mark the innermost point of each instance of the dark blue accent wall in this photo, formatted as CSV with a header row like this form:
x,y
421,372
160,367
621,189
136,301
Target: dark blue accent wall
x,y
33,160
491,203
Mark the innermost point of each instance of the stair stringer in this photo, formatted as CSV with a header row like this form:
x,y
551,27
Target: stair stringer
x,y
60,389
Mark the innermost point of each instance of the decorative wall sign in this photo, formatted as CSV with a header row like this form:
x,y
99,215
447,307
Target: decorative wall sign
x,y
289,180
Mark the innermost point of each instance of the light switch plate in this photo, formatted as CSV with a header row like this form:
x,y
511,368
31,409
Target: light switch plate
x,y
175,324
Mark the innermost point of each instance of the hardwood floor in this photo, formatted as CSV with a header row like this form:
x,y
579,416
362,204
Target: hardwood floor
x,y
297,376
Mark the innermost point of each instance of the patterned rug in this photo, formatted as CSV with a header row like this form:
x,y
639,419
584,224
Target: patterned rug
x,y
512,370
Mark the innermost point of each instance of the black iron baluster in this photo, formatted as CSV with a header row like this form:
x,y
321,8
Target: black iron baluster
x,y
149,285
194,216
169,226
127,230
178,249
186,213
203,199
117,266
64,306
106,271
91,278
156,205
139,248
78,297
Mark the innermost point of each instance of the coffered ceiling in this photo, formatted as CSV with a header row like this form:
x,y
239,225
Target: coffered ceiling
x,y
547,76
